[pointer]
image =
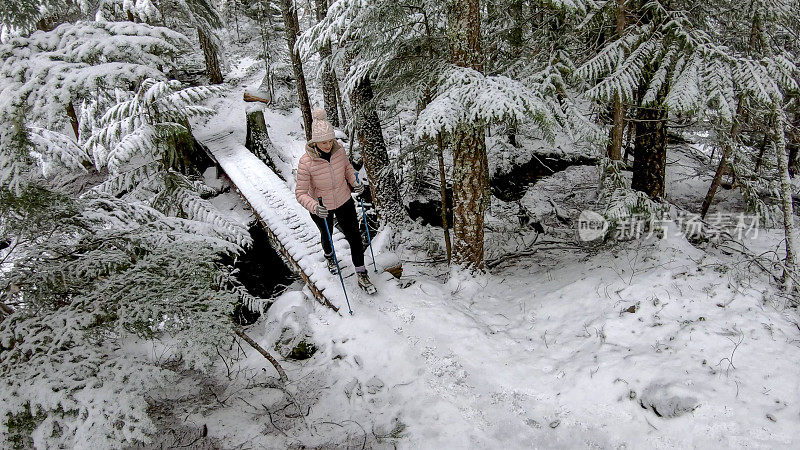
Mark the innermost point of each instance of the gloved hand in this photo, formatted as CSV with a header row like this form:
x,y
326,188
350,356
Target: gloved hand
x,y
358,188
321,211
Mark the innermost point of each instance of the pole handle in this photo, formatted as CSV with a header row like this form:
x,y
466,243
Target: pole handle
x,y
319,199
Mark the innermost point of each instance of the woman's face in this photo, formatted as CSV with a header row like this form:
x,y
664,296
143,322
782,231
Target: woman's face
x,y
325,146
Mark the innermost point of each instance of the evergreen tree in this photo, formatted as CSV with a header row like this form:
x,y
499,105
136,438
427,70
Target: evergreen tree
x,y
74,61
87,273
20,17
182,15
292,30
329,81
470,164
373,152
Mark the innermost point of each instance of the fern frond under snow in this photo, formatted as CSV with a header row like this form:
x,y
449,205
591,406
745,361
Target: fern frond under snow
x,y
52,147
685,94
665,66
199,209
154,89
129,179
192,94
612,55
752,77
139,142
625,79
782,69
718,79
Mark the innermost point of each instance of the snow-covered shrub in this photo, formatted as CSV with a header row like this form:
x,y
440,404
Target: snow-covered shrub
x,y
620,204
86,278
43,75
145,144
139,257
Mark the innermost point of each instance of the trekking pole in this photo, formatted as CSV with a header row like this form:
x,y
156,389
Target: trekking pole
x,y
338,269
366,225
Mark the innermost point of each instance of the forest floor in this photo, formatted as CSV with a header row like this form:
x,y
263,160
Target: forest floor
x,y
652,343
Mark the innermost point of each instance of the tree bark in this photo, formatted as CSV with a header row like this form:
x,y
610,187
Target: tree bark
x,y
650,144
376,160
73,119
790,269
328,80
210,54
339,99
5,310
470,164
761,149
614,150
470,194
443,192
723,160
515,41
188,156
257,139
292,30
793,144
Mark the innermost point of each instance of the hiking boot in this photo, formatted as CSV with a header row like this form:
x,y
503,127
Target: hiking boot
x,y
365,284
331,264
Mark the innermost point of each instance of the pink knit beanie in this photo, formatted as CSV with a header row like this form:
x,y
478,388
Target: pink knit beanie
x,y
321,129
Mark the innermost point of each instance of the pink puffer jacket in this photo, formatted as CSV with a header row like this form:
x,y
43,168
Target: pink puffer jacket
x,y
319,178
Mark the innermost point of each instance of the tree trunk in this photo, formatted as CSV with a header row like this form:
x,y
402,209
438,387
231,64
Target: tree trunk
x,y
793,144
723,160
443,192
339,99
5,310
761,150
614,150
210,53
188,155
470,194
650,144
292,30
515,41
257,139
376,160
328,81
629,143
470,164
235,10
790,269
73,119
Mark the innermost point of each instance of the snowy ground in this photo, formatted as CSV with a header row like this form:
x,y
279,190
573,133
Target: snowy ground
x,y
645,344
651,346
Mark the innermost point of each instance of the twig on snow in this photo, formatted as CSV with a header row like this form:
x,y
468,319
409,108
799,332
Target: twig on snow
x,y
240,332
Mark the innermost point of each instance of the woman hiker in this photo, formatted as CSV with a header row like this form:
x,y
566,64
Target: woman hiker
x,y
325,171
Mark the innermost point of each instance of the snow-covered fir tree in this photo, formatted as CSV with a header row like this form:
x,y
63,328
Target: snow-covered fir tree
x,y
137,257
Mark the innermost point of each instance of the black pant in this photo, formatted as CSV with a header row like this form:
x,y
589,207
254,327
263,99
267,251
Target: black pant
x,y
348,221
